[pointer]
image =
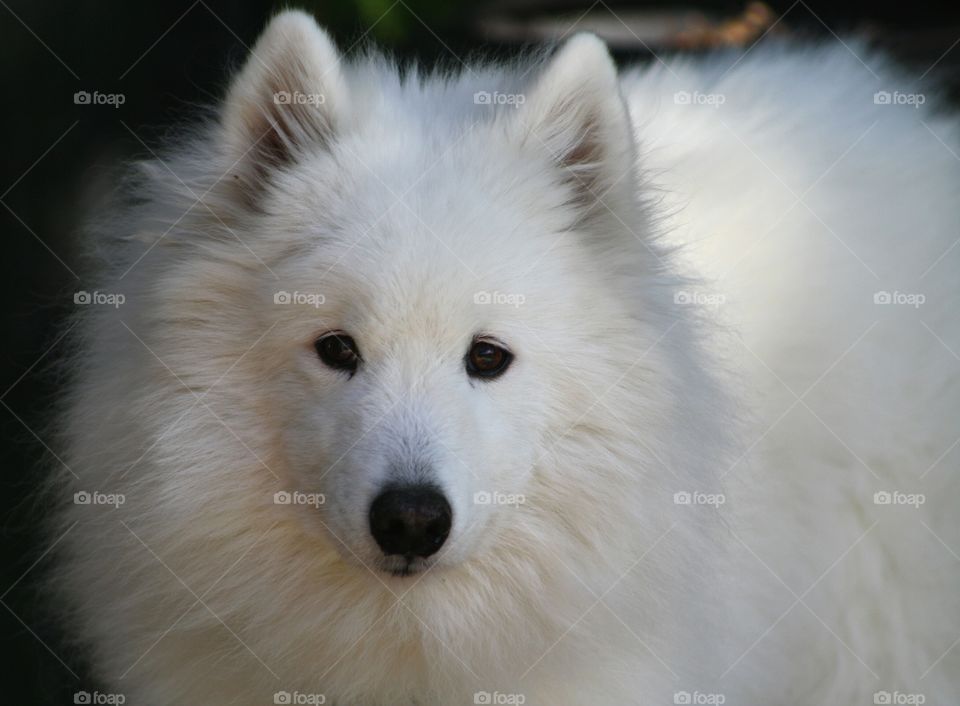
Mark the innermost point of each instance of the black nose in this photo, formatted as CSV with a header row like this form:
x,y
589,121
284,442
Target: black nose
x,y
412,520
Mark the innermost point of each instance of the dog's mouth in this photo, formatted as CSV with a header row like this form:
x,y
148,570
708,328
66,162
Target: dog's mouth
x,y
403,566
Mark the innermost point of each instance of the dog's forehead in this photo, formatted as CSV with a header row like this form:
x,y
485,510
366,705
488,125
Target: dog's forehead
x,y
431,240
409,270
405,278
401,227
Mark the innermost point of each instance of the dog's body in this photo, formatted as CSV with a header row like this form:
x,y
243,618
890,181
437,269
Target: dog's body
x,y
688,293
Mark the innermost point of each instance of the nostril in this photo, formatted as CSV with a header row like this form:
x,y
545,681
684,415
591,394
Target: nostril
x,y
410,520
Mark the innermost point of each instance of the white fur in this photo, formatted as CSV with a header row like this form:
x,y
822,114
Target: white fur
x,y
399,200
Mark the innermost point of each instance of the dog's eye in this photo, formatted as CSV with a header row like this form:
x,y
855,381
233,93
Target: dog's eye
x,y
487,360
339,351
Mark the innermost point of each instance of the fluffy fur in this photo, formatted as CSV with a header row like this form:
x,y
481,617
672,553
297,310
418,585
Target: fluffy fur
x,y
689,289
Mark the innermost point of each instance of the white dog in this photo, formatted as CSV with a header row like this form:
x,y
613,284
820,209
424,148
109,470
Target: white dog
x,y
530,384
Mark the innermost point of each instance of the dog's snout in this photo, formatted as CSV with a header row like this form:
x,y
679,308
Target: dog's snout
x,y
412,520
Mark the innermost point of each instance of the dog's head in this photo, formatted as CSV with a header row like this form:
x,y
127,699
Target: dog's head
x,y
448,270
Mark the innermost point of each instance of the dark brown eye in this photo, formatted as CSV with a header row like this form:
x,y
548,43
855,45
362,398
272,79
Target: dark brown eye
x,y
486,359
339,351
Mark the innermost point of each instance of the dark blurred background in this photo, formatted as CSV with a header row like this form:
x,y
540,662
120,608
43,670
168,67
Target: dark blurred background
x,y
167,58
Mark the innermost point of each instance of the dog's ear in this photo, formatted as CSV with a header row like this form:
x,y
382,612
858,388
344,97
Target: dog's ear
x,y
289,97
575,112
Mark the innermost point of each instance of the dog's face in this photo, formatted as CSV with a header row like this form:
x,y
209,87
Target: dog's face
x,y
415,405
426,369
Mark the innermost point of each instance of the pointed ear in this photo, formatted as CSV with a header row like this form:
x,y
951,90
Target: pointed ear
x,y
289,97
575,113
